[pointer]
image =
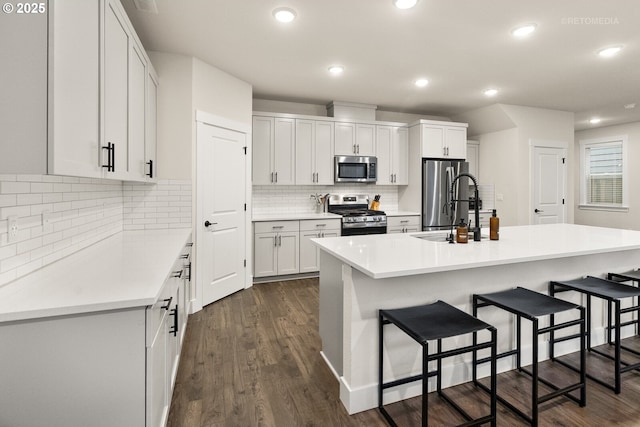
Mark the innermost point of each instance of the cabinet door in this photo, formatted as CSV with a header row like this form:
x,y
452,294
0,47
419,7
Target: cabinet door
x,y
74,89
309,256
150,142
324,132
305,156
288,253
263,134
115,93
456,142
432,141
156,393
345,139
365,140
383,148
137,112
265,255
473,157
400,156
284,154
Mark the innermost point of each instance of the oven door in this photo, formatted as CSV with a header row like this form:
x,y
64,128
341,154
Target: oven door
x,y
359,231
355,169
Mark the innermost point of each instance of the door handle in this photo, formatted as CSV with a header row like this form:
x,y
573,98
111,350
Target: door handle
x,y
538,211
207,223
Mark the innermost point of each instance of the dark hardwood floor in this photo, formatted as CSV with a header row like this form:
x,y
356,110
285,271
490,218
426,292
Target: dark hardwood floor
x,y
253,359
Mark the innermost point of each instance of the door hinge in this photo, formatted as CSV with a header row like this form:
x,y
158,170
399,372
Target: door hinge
x,y
563,201
245,207
245,262
245,151
563,159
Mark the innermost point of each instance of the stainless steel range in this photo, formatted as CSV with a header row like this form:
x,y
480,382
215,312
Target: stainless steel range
x,y
357,218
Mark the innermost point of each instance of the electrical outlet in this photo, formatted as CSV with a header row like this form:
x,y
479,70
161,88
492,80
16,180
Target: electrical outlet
x,y
46,221
12,229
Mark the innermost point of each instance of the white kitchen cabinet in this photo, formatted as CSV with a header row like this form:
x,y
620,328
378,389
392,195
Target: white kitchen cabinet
x,y
273,151
444,141
392,148
355,139
151,136
403,224
74,67
313,229
276,248
314,152
473,158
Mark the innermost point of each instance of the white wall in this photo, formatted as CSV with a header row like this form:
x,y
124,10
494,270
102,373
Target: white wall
x,y
506,132
630,219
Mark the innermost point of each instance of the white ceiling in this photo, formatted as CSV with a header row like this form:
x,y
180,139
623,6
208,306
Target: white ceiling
x,y
461,46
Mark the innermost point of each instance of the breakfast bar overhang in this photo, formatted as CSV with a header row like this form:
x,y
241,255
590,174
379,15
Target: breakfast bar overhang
x,y
361,274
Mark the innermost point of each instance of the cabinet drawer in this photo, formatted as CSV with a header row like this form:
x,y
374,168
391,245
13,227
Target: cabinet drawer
x,y
403,221
319,224
157,312
276,226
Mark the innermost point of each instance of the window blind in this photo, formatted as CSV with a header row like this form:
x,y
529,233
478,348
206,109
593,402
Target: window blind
x,y
604,177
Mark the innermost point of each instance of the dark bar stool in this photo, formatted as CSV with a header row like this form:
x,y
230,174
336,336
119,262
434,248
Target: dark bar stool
x,y
432,322
612,292
532,305
629,276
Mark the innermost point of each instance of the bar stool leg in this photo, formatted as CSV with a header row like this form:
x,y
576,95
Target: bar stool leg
x,y
439,369
518,343
617,348
494,376
425,384
380,348
583,359
589,322
534,386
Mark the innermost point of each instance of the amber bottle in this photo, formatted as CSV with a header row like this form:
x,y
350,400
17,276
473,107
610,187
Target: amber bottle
x,y
494,226
462,232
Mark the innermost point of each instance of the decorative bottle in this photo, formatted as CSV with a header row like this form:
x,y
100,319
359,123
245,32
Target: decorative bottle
x,y
494,226
462,232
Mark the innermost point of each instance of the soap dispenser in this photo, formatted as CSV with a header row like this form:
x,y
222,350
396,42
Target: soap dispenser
x,y
494,226
462,232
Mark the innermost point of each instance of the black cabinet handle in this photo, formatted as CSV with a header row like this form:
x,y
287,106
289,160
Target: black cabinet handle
x,y
150,174
177,274
174,328
168,303
111,157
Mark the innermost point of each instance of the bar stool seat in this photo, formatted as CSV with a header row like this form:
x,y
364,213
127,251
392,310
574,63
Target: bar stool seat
x,y
435,322
524,303
612,292
633,275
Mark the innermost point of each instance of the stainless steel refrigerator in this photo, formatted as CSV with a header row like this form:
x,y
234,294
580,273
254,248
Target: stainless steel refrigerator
x,y
437,177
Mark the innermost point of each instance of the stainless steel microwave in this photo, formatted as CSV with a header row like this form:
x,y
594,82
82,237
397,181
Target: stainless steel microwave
x,y
355,168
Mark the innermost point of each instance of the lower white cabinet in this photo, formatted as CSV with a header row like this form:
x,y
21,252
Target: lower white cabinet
x,y
285,247
403,224
276,246
314,229
100,368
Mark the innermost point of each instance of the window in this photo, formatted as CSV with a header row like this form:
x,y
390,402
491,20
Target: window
x,y
603,174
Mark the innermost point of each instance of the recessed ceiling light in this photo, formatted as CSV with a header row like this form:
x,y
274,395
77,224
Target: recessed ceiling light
x,y
630,106
491,92
609,51
405,4
524,30
284,14
421,82
595,120
336,70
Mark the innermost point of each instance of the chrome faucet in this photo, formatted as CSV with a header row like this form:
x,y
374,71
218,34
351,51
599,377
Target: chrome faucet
x,y
476,209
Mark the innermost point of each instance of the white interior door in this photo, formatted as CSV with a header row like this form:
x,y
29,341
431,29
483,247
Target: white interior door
x,y
548,185
220,219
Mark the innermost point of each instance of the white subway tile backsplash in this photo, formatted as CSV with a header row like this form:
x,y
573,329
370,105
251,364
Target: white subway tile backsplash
x,y
81,212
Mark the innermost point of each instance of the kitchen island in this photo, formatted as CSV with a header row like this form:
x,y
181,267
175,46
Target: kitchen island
x,y
361,274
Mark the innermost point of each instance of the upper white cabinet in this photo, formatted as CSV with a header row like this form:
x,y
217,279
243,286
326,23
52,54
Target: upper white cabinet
x,y
150,143
473,158
355,139
392,148
79,83
440,140
273,151
314,152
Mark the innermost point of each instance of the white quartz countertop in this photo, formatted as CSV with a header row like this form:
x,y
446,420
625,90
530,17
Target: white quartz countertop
x,y
394,255
291,216
123,271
